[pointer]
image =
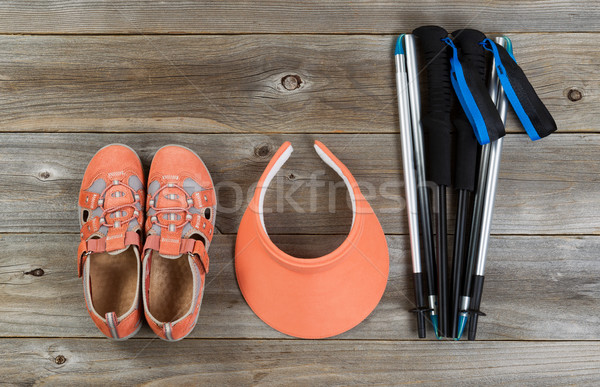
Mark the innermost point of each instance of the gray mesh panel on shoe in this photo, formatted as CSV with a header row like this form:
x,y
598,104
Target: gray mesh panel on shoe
x,y
190,186
135,183
152,188
97,187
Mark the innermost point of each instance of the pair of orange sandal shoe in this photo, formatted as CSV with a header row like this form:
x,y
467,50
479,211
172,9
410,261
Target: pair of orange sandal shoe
x,y
145,248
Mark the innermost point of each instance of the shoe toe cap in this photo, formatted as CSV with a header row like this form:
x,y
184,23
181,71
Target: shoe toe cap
x,y
113,161
174,160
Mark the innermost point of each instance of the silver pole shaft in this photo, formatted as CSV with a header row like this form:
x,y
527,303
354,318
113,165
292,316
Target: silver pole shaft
x,y
480,195
478,205
408,161
417,131
482,181
415,108
497,95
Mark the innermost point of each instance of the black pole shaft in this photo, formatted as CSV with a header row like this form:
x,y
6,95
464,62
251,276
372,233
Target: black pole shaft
x,y
427,239
460,236
442,254
420,301
475,305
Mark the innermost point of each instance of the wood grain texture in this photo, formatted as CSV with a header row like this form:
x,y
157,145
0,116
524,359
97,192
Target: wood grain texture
x,y
540,182
277,16
299,363
210,75
233,84
537,288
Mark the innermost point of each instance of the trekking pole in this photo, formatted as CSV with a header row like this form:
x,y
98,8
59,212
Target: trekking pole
x,y
473,57
409,181
422,188
497,95
436,124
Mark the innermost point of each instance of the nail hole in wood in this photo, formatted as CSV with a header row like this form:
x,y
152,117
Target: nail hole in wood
x,y
35,272
262,150
291,82
574,95
60,359
291,176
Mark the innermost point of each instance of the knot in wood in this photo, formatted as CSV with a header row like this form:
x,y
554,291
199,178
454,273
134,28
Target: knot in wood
x,y
262,150
574,95
35,272
291,82
60,359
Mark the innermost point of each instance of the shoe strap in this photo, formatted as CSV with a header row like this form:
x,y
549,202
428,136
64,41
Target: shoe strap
x,y
88,199
203,226
86,248
204,198
190,246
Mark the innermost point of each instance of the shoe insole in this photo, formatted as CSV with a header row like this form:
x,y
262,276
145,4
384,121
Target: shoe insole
x,y
113,281
171,287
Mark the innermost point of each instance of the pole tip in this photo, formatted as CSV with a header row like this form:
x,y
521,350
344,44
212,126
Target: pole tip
x,y
462,322
473,327
436,329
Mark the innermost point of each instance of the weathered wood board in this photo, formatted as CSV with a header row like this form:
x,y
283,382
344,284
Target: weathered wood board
x,y
537,288
278,16
296,362
540,182
233,83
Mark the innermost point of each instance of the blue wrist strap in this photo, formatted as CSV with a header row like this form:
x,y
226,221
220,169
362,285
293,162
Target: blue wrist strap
x,y
531,111
465,96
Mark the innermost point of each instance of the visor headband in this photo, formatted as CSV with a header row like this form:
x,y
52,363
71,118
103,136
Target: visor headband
x,y
283,154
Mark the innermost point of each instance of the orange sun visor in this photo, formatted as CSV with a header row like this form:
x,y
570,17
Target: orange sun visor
x,y
312,297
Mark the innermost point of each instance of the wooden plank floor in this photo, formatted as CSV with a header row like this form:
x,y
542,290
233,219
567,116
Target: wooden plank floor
x,y
77,75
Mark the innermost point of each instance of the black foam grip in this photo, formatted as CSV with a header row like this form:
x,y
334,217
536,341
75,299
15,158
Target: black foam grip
x,y
540,117
473,58
471,51
476,84
436,121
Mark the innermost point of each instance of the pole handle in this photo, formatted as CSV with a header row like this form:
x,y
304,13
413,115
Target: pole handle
x,y
473,58
436,121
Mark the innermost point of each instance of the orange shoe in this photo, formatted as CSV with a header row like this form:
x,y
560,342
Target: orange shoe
x,y
111,216
181,211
